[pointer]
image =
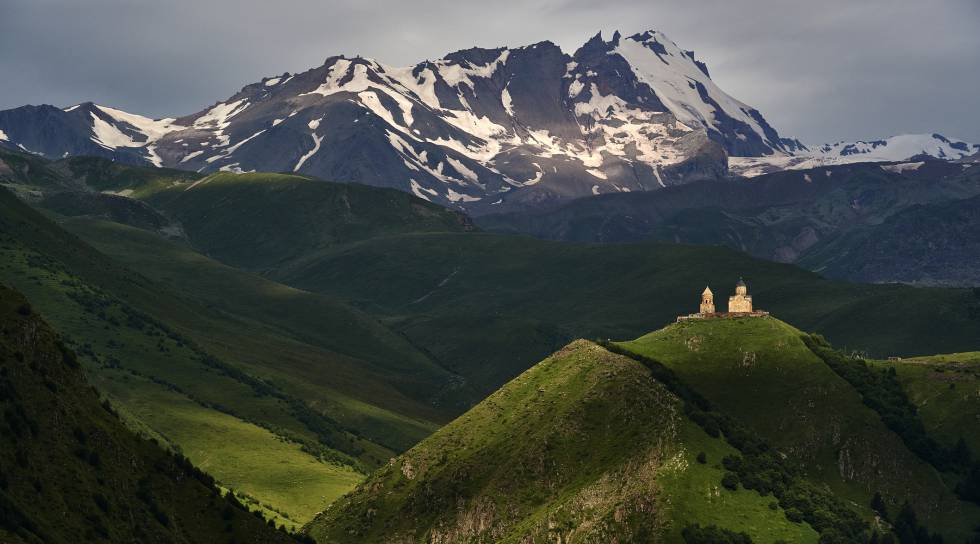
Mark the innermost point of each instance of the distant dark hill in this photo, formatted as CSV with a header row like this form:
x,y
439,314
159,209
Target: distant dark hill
x,y
784,216
261,221
71,472
118,209
930,244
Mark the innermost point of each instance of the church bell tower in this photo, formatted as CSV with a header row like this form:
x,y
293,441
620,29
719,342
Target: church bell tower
x,y
707,302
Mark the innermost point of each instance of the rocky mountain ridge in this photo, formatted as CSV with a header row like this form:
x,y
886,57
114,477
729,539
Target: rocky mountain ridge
x,y
914,148
480,129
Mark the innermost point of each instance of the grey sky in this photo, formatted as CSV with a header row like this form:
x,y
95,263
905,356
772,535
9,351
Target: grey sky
x,y
820,71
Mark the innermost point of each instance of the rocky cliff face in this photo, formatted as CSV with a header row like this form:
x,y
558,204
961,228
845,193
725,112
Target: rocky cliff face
x,y
480,129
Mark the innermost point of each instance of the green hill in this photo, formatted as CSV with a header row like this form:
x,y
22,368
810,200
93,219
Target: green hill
x,y
760,371
598,445
583,447
71,472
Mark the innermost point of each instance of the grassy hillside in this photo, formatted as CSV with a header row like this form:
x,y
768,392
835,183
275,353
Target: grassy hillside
x,y
584,447
759,371
71,472
368,362
304,377
34,177
944,389
260,221
107,176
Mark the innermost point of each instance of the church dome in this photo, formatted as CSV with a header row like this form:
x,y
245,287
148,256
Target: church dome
x,y
707,291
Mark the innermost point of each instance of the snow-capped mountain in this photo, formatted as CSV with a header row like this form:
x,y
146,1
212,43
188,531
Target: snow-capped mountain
x,y
897,148
478,129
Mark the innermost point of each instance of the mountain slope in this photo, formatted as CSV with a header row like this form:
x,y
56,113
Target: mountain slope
x,y
932,244
585,446
943,388
70,470
759,371
479,129
299,377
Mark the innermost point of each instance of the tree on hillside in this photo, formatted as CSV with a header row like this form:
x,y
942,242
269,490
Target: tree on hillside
x,y
879,506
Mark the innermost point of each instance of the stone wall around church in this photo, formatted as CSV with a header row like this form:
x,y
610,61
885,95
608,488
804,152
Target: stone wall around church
x,y
721,315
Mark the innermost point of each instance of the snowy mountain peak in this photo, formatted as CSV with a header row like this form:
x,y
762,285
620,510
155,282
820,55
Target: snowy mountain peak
x,y
901,147
479,128
894,149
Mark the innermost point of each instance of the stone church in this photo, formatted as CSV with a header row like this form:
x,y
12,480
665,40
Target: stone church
x,y
739,305
741,301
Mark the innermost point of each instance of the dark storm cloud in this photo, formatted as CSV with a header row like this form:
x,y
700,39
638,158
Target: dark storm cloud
x,y
817,70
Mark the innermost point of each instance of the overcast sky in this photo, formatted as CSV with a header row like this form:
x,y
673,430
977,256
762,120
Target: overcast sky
x,y
819,71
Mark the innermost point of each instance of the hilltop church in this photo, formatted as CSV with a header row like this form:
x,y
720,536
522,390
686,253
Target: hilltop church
x,y
739,305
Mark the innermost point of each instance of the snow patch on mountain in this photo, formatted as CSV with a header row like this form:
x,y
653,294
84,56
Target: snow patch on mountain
x,y
108,136
507,102
902,167
456,74
218,118
317,140
420,191
463,170
153,129
191,155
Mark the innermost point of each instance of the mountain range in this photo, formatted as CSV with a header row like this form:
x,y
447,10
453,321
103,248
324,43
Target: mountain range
x,y
483,130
